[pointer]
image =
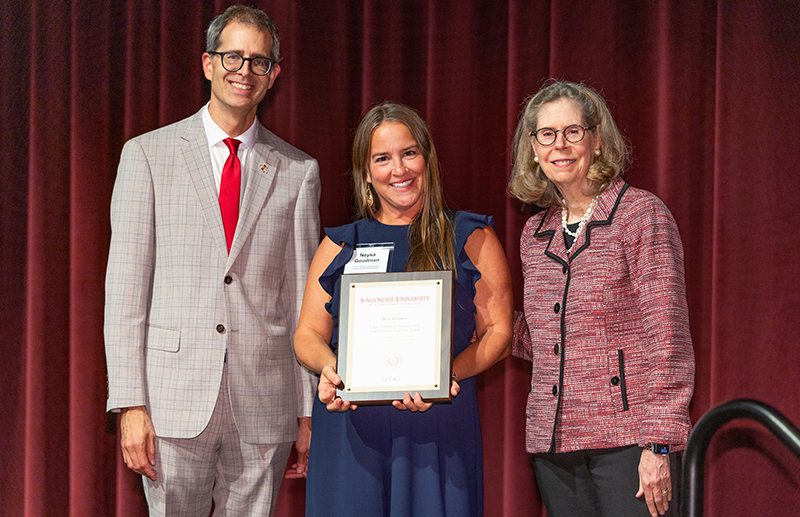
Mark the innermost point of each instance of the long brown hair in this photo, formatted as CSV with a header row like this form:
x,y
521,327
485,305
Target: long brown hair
x,y
430,235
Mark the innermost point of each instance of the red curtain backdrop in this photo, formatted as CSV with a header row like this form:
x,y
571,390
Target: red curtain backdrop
x,y
706,91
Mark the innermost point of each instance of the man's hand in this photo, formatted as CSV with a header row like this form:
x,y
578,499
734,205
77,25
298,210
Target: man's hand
x,y
138,441
301,446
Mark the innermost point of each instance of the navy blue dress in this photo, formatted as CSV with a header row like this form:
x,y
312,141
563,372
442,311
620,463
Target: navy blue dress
x,y
378,460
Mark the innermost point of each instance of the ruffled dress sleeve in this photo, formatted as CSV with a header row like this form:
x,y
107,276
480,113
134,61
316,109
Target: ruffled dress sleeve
x,y
465,223
467,276
346,237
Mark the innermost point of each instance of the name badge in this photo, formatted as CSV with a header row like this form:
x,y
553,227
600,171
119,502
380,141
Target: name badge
x,y
370,258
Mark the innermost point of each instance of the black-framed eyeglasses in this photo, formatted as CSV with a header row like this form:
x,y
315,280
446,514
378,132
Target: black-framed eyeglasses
x,y
574,133
233,62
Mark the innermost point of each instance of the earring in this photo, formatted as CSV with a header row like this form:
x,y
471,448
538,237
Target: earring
x,y
369,197
597,152
536,159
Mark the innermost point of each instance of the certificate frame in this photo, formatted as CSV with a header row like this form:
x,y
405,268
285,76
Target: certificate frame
x,y
395,336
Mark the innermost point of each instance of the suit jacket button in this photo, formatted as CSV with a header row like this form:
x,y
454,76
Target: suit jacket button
x,y
615,380
555,349
565,270
555,390
228,279
220,328
557,307
530,388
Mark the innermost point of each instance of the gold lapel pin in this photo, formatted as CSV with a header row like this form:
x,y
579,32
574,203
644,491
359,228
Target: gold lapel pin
x,y
263,168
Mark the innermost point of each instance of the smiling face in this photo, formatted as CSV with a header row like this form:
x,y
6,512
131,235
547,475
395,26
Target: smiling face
x,y
235,95
396,172
564,163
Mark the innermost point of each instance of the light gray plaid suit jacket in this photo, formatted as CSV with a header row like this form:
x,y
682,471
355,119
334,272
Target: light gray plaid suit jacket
x,y
175,299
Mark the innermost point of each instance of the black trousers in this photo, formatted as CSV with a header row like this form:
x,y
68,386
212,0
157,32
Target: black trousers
x,y
598,483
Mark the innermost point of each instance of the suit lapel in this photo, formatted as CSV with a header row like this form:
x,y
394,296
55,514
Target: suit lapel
x,y
604,212
261,171
551,227
198,165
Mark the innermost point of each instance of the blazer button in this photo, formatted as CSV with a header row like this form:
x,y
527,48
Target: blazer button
x,y
220,328
555,390
564,270
615,380
228,279
530,388
555,349
557,307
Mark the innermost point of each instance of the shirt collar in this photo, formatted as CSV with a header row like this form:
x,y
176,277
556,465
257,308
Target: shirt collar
x,y
216,135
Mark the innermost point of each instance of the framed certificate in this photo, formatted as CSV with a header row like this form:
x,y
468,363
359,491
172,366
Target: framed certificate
x,y
395,336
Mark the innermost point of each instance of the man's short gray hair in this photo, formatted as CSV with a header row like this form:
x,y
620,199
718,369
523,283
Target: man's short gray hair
x,y
246,15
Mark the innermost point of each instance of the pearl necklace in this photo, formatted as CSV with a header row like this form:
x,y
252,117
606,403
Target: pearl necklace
x,y
584,219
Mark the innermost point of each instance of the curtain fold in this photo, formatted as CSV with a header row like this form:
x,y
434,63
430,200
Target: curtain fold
x,y
91,115
707,92
47,283
14,129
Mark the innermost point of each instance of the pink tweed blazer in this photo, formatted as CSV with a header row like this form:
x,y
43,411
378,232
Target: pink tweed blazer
x,y
606,328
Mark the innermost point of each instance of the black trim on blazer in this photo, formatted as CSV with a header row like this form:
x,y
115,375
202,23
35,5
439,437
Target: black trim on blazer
x,y
548,233
561,366
604,222
562,361
622,388
538,233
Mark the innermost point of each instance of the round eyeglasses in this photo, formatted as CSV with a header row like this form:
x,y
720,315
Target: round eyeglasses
x,y
233,62
573,134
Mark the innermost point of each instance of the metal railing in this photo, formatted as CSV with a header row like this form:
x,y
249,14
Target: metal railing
x,y
700,437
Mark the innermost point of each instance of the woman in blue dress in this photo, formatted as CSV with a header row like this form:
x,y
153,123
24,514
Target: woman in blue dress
x,y
413,457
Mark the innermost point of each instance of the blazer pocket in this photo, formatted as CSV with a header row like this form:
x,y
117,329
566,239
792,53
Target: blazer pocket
x,y
279,347
160,338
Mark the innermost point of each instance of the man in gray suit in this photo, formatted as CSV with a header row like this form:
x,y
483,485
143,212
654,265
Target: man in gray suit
x,y
200,313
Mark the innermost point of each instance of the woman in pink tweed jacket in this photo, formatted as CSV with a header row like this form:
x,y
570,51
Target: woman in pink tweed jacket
x,y
605,321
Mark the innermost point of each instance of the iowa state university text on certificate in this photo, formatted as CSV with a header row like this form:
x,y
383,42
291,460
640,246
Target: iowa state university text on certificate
x,y
396,335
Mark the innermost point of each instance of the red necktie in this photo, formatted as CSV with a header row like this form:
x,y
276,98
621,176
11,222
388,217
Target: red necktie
x,y
229,191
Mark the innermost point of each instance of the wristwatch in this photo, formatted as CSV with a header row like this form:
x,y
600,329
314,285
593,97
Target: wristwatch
x,y
658,448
